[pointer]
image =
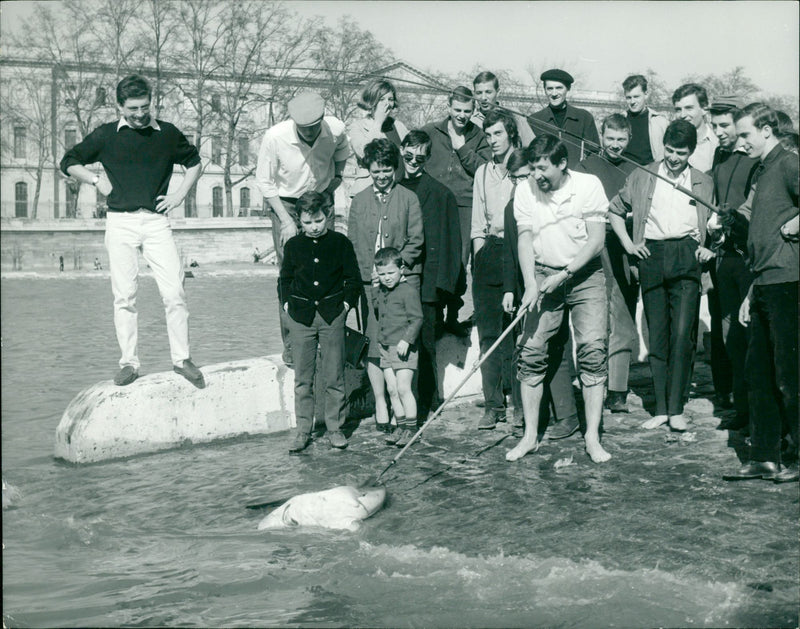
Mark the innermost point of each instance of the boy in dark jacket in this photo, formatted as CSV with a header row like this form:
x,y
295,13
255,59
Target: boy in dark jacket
x,y
319,280
399,313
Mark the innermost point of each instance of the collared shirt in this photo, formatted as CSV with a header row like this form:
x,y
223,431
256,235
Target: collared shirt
x,y
124,123
491,191
558,219
383,199
288,167
703,157
672,214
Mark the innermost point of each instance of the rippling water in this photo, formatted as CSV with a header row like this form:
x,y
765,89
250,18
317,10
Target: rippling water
x,y
654,538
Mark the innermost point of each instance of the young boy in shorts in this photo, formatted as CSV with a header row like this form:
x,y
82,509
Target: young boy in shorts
x,y
398,310
319,281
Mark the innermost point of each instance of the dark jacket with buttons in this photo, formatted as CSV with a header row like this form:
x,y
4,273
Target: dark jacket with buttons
x,y
318,275
399,313
400,221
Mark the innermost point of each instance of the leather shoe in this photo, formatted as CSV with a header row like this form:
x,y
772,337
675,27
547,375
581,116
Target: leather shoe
x,y
299,443
191,373
789,474
733,423
490,418
337,439
125,376
563,429
766,470
456,329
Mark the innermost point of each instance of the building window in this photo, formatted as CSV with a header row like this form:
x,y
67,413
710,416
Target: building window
x,y
244,199
216,149
100,97
216,103
20,136
244,152
190,205
70,138
21,199
216,199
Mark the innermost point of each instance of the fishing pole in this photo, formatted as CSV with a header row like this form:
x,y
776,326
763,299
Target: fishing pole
x,y
473,369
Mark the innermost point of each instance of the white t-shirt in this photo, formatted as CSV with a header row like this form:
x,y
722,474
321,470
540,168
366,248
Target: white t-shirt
x,y
558,219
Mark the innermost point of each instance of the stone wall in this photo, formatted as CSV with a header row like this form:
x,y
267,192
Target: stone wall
x,y
35,245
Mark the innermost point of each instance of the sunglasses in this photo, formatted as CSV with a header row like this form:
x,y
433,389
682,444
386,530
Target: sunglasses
x,y
414,159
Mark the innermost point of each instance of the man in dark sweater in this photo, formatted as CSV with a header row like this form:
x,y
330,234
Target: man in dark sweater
x,y
573,125
732,172
458,147
647,127
770,308
138,154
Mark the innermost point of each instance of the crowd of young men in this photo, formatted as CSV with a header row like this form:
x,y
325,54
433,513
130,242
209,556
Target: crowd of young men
x,y
646,207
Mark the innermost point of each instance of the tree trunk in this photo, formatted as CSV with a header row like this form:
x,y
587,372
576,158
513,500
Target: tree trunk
x,y
35,204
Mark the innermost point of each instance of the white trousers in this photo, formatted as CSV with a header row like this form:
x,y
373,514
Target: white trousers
x,y
126,233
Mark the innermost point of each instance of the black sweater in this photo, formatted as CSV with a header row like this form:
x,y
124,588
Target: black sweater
x,y
138,162
319,274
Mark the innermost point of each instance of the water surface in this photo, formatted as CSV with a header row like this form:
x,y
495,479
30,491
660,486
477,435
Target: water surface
x,y
654,538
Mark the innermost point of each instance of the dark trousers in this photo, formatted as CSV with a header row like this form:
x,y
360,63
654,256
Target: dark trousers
x,y
721,368
305,340
497,374
733,281
670,281
620,268
772,369
428,398
453,300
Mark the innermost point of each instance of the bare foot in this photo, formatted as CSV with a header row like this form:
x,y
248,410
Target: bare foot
x,y
655,422
523,448
678,423
596,451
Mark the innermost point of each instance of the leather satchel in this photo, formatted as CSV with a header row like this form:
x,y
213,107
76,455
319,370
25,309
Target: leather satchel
x,y
355,344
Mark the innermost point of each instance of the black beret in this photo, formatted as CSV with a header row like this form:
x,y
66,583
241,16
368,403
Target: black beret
x,y
557,75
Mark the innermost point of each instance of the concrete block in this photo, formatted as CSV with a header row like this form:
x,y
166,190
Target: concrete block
x,y
162,410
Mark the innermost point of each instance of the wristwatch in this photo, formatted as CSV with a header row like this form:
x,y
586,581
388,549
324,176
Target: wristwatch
x,y
96,180
568,272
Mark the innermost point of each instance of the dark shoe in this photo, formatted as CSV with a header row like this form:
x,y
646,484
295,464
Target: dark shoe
x,y
456,329
519,420
191,373
337,439
385,428
754,469
617,401
563,429
733,423
789,474
723,400
299,443
488,420
125,376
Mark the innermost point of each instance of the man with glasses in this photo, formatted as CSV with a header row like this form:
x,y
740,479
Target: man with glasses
x,y
441,260
138,154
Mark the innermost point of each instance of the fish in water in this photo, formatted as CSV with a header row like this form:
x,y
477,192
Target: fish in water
x,y
342,507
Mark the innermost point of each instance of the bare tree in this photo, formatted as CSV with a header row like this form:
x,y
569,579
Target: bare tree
x,y
158,22
25,101
344,56
111,23
200,34
262,41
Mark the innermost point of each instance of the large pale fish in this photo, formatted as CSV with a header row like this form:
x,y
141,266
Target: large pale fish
x,y
342,507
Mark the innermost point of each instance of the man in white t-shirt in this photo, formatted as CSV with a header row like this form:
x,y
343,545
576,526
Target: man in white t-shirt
x,y
561,218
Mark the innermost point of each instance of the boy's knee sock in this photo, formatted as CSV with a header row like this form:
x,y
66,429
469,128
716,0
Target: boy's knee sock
x,y
409,423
